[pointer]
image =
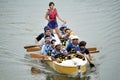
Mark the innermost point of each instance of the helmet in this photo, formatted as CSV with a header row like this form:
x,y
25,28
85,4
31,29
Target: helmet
x,y
46,28
63,26
56,44
74,37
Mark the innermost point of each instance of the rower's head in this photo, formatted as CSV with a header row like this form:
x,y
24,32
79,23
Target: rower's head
x,y
75,39
82,44
51,5
57,46
53,42
67,30
47,38
63,28
47,30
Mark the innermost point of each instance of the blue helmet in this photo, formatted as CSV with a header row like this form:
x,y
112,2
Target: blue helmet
x,y
46,28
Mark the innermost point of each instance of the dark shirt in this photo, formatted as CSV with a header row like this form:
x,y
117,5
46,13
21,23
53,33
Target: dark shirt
x,y
40,36
83,51
56,53
71,48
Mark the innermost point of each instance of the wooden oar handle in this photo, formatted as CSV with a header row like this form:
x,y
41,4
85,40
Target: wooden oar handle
x,y
30,46
35,55
97,51
33,49
92,48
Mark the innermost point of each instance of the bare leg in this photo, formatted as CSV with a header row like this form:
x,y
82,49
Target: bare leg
x,y
51,30
58,32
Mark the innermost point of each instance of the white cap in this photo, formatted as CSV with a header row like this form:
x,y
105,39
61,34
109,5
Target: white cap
x,y
56,43
71,36
74,37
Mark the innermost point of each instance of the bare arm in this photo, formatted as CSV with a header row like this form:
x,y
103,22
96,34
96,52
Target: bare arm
x,y
78,53
46,16
90,57
60,19
65,35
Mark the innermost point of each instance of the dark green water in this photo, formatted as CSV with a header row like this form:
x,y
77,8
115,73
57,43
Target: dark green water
x,y
97,22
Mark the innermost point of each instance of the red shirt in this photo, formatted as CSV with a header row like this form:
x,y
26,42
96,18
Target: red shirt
x,y
52,14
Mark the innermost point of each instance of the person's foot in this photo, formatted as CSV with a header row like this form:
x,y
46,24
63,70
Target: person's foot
x,y
92,65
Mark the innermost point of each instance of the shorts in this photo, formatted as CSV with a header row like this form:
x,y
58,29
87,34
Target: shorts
x,y
52,24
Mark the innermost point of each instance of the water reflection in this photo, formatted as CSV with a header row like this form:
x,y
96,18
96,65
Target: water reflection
x,y
35,70
57,76
97,22
65,77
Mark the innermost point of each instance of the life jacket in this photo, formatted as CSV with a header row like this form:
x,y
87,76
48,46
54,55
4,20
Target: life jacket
x,y
58,54
52,14
63,41
47,49
50,51
82,50
72,51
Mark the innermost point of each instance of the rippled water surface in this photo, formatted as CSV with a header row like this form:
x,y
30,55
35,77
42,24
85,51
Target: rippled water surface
x,y
95,21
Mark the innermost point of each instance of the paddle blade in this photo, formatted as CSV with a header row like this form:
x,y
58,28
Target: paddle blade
x,y
33,49
92,48
40,56
30,46
97,51
35,55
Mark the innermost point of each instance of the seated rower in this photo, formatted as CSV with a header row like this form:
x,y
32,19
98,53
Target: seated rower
x,y
58,52
66,32
65,36
52,47
83,51
39,40
73,45
46,46
62,29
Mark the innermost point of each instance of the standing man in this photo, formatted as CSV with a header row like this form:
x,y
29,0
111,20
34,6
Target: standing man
x,y
51,15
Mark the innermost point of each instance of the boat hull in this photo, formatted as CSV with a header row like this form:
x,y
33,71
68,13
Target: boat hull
x,y
68,69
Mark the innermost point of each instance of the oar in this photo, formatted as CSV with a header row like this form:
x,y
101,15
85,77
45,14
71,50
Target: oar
x,y
92,48
36,55
33,49
30,46
40,56
97,51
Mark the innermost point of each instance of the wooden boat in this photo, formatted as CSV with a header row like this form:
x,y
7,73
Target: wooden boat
x,y
70,67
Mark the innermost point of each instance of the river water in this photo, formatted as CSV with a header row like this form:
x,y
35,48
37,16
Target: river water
x,y
95,21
